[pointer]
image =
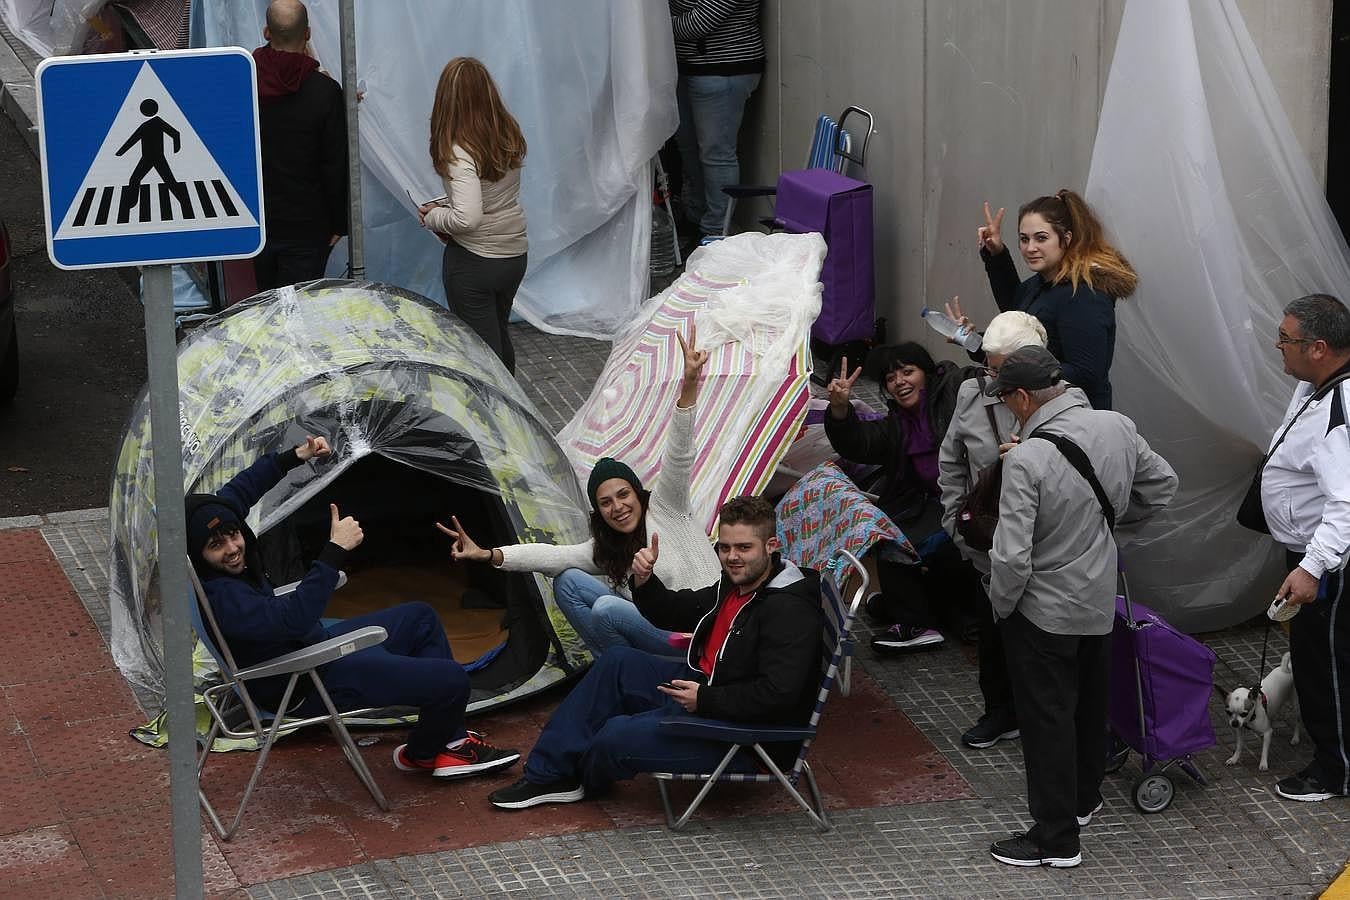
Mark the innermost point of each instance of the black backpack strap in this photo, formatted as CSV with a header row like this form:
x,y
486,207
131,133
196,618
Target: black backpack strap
x,y
1078,459
989,410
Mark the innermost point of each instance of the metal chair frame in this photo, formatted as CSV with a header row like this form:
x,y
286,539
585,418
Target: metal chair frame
x,y
265,726
837,635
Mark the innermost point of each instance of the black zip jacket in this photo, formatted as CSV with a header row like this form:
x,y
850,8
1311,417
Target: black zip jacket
x,y
1080,326
902,494
770,665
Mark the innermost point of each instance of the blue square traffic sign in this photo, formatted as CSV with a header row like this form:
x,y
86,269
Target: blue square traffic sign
x,y
150,157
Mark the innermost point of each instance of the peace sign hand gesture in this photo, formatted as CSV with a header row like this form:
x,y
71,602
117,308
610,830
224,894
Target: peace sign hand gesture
x,y
841,389
989,233
694,361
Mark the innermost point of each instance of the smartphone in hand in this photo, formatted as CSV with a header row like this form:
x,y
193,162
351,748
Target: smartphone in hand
x,y
668,685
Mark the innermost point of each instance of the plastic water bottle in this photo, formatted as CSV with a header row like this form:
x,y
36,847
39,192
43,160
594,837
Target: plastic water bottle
x,y
944,325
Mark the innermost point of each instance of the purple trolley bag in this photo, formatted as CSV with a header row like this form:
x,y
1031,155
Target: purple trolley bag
x,y
1161,682
840,208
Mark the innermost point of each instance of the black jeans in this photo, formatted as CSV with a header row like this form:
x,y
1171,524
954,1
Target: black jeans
x,y
480,290
995,686
1319,644
283,262
1061,683
939,591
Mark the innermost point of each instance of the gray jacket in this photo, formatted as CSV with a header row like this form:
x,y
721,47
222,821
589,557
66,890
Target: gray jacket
x,y
969,448
1053,557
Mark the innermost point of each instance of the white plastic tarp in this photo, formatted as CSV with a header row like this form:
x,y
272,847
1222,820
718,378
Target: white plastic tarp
x,y
50,27
1197,171
592,83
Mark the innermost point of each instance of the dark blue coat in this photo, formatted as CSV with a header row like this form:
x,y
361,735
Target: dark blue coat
x,y
1080,325
257,624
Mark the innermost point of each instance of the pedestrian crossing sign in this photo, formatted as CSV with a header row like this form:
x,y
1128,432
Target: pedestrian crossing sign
x,y
150,157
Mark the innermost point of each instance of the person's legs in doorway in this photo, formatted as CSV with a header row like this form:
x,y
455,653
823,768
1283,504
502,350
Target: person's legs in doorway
x,y
717,105
686,139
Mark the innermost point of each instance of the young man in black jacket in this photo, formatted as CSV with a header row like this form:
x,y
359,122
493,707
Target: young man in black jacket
x,y
755,657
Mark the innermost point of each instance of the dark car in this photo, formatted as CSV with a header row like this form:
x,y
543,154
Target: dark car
x,y
9,335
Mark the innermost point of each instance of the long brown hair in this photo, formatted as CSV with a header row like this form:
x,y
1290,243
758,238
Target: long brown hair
x,y
1088,255
469,112
613,550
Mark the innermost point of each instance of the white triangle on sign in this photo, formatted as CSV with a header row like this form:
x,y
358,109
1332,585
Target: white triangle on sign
x,y
179,186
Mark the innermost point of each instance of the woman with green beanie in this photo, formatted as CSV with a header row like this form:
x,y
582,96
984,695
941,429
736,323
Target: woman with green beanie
x,y
619,588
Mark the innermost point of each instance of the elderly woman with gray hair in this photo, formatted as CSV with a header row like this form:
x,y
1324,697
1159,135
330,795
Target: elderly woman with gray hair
x,y
980,430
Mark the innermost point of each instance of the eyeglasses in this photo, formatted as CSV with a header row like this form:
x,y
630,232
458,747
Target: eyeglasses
x,y
1282,339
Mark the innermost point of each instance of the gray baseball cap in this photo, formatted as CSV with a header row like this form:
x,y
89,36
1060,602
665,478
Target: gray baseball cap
x,y
1030,368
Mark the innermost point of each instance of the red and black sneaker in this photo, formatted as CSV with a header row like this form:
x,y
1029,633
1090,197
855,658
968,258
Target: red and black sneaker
x,y
472,756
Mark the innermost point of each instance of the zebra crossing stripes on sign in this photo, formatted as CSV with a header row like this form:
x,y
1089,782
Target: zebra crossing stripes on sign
x,y
150,158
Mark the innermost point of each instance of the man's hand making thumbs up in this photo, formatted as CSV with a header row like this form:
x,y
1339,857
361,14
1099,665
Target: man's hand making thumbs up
x,y
345,531
643,562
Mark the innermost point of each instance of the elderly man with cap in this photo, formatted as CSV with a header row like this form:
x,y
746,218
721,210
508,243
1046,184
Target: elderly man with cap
x,y
621,587
1076,473
413,667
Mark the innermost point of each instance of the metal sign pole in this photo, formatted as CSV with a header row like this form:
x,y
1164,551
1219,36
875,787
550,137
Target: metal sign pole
x,y
167,447
356,241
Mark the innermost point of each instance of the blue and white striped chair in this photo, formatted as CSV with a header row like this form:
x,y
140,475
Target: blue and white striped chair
x,y
831,148
838,625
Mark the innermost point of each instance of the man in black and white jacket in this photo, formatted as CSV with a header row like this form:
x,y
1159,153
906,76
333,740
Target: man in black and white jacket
x,y
1305,494
755,657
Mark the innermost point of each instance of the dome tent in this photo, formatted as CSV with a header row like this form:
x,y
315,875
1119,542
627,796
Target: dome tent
x,y
424,421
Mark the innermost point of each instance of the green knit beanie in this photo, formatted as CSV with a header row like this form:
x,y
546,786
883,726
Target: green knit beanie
x,y
606,468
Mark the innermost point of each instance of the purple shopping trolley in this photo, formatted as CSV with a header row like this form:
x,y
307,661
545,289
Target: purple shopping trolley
x,y
1161,681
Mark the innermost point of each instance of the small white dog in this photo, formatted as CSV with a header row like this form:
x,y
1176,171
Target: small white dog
x,y
1256,712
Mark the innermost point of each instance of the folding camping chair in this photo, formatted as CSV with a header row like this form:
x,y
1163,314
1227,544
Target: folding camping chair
x,y
837,628
831,148
224,700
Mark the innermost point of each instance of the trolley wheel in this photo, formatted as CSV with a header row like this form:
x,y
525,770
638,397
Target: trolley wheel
x,y
1153,793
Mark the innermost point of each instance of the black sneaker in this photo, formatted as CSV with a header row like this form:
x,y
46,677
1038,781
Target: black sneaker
x,y
906,637
989,730
1303,786
524,794
1019,850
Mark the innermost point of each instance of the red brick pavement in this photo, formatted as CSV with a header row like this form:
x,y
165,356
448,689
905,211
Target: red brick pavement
x,y
84,808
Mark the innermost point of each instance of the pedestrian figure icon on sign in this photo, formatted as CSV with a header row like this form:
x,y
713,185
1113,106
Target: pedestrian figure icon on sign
x,y
148,173
150,135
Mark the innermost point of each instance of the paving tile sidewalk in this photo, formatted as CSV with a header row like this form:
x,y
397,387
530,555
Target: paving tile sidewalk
x,y
85,809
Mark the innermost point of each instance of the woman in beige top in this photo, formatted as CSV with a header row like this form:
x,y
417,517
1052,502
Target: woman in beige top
x,y
477,149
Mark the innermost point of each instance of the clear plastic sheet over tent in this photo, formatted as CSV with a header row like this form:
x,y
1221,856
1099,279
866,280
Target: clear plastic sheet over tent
x,y
1197,173
377,370
592,83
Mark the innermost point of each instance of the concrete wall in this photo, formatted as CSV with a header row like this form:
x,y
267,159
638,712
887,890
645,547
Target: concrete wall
x,y
976,100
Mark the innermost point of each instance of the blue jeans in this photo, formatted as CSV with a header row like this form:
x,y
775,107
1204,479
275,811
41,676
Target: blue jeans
x,y
711,107
606,730
413,667
605,620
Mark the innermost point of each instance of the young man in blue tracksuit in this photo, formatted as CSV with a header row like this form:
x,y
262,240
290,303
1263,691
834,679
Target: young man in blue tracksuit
x,y
412,667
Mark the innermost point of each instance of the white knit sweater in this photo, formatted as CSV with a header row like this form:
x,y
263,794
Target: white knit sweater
x,y
686,560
